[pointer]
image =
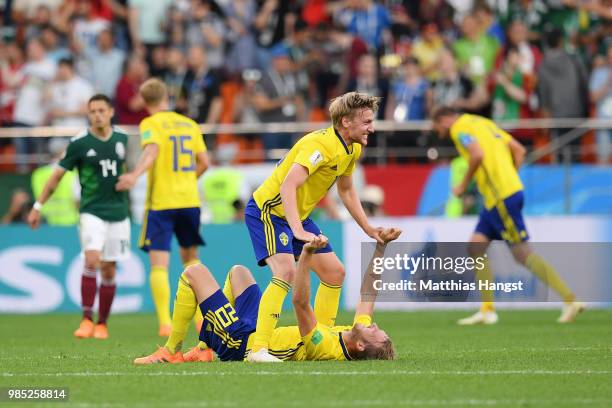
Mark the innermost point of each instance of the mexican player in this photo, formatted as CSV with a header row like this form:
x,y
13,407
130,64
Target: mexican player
x,y
494,158
104,227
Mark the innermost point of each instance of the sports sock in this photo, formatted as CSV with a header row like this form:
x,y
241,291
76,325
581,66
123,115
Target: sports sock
x,y
486,296
160,289
197,318
326,303
185,306
547,274
89,287
107,294
269,311
227,289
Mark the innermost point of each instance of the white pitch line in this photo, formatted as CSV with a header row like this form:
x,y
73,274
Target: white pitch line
x,y
137,373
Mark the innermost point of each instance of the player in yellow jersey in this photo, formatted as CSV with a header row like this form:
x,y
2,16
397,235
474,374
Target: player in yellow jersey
x,y
174,157
231,317
277,216
494,158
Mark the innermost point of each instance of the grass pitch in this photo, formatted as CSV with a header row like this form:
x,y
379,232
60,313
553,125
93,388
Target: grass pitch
x,y
527,360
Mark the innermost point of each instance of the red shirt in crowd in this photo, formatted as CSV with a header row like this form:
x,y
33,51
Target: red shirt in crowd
x,y
126,90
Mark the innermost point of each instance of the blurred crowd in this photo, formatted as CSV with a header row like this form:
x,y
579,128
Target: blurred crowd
x,y
259,61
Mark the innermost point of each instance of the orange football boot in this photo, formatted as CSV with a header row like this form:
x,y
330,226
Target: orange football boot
x,y
162,355
198,355
100,331
85,330
165,330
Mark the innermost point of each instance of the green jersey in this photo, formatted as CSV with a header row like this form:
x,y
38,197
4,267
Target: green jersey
x,y
99,163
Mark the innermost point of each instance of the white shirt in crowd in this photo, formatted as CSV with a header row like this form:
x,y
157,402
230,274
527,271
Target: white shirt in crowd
x,y
29,107
70,96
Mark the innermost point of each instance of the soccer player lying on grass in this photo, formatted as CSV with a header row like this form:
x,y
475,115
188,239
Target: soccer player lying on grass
x,y
230,318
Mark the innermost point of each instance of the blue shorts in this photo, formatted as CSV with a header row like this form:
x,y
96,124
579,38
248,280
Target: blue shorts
x,y
227,328
272,235
504,221
159,225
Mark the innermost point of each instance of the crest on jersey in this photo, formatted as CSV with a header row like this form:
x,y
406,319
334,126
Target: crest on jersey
x,y
120,150
284,239
315,158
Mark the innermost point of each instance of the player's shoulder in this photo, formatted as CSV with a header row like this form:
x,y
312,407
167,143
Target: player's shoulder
x,y
323,138
79,137
122,133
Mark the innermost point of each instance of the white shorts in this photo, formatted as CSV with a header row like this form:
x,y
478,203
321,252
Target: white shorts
x,y
112,239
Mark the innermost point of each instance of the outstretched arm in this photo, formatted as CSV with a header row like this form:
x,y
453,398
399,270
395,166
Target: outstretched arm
x,y
368,293
147,158
301,286
296,176
350,199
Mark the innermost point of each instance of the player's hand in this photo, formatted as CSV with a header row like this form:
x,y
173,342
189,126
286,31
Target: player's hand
x,y
318,242
126,181
390,234
304,235
34,218
459,190
375,234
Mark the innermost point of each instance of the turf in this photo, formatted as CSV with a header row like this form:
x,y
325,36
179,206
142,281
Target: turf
x,y
527,360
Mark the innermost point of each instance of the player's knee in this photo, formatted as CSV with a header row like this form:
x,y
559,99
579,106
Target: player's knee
x,y
92,262
286,274
108,271
240,272
195,272
339,273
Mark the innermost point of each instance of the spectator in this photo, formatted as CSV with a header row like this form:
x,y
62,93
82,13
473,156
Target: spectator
x,y
368,81
562,85
62,207
11,79
206,29
488,22
453,88
269,25
511,88
19,208
87,27
29,107
129,105
145,20
175,28
277,98
408,96
68,97
174,78
104,64
202,89
427,49
157,63
531,12
601,94
50,38
25,11
476,50
531,57
368,20
242,47
40,20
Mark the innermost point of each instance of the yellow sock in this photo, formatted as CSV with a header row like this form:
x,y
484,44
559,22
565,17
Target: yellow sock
x,y
227,289
547,274
197,318
269,311
160,289
185,306
486,296
327,301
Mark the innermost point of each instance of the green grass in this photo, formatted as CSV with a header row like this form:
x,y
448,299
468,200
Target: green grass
x,y
527,360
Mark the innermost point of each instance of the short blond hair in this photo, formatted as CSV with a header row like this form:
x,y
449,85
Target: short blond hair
x,y
153,91
350,103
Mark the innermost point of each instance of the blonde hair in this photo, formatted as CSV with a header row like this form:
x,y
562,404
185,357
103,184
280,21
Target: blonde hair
x,y
153,91
349,103
381,351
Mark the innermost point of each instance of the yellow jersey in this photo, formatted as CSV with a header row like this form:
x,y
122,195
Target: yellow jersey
x,y
497,177
326,157
172,181
322,343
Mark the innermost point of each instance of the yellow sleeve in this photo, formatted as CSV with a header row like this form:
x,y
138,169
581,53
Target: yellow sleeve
x,y
148,133
364,319
311,155
356,154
